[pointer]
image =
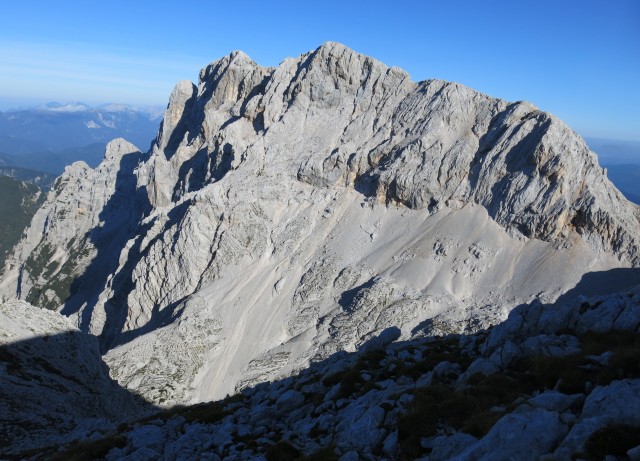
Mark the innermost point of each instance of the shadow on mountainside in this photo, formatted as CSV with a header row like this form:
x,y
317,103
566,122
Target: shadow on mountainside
x,y
121,217
50,384
50,396
602,283
123,283
415,381
348,296
122,231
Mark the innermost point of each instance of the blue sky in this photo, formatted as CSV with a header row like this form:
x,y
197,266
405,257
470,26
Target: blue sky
x,y
579,60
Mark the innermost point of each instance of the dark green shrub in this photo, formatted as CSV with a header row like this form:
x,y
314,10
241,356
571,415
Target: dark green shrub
x,y
496,389
91,450
282,451
350,383
421,419
455,410
208,413
625,349
564,373
612,440
323,454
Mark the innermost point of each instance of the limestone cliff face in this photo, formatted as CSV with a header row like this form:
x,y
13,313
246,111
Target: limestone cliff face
x,y
83,214
283,214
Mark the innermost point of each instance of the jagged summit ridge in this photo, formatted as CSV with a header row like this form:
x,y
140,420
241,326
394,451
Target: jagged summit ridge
x,y
511,158
284,214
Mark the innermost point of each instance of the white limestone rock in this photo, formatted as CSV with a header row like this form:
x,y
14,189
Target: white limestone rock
x,y
307,208
619,400
555,401
535,322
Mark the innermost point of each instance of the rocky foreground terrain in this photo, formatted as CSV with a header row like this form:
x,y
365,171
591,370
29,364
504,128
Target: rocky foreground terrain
x,y
53,381
553,382
351,237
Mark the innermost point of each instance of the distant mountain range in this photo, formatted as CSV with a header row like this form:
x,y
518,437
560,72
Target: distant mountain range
x,y
626,178
615,151
38,178
50,136
37,143
53,162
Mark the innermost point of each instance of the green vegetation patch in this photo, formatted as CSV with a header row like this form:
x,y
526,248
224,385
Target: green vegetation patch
x,y
570,373
58,280
18,203
323,454
39,260
475,408
282,451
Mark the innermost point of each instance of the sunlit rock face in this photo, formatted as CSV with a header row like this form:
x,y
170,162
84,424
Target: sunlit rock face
x,y
284,214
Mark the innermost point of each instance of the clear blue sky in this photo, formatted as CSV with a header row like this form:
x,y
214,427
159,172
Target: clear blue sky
x,y
577,59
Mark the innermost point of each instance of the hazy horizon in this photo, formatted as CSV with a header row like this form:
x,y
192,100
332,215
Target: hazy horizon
x,y
607,148
577,60
7,105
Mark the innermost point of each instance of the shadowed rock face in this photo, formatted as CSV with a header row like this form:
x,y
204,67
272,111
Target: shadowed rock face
x,y
558,381
52,378
283,214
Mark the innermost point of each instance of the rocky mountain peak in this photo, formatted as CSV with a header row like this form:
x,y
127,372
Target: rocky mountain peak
x,y
235,59
229,79
310,207
183,93
342,63
117,148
